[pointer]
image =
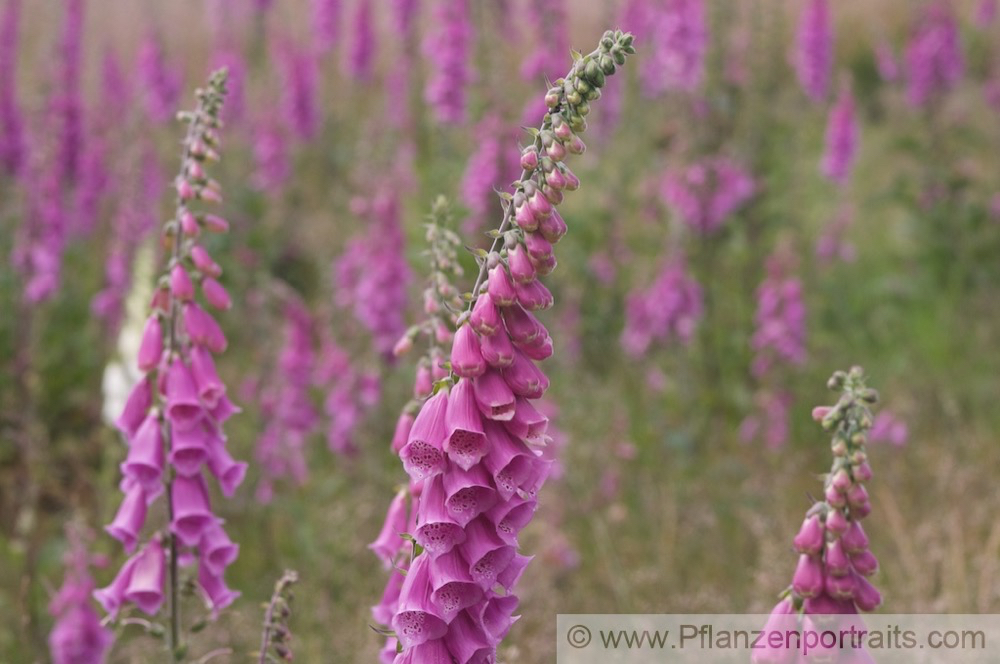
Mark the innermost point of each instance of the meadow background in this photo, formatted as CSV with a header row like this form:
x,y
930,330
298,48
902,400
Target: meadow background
x,y
684,472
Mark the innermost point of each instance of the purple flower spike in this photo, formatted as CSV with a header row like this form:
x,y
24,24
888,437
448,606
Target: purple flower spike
x,y
814,54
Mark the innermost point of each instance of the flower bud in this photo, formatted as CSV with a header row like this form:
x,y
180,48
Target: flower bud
x,y
557,151
808,579
189,225
180,283
216,224
576,145
836,522
836,559
529,158
521,269
810,537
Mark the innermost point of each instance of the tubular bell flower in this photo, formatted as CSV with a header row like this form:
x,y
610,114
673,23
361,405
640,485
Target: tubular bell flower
x,y
476,471
814,49
834,565
174,418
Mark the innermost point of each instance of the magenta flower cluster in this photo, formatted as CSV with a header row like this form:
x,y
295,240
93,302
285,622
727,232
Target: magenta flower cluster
x,y
550,43
814,49
780,320
706,193
173,418
679,43
835,562
159,81
286,405
77,637
471,451
449,48
841,139
669,308
934,60
371,276
12,139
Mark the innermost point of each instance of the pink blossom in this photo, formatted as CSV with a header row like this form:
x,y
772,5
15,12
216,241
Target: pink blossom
x,y
449,49
814,49
841,139
678,37
667,309
934,60
706,193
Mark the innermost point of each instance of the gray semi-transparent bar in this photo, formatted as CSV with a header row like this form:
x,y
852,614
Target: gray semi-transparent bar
x,y
881,638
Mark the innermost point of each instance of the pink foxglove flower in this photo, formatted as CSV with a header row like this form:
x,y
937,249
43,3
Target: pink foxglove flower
x,y
77,637
679,37
841,139
834,560
669,308
286,406
360,61
159,81
299,90
449,49
934,60
174,419
326,16
12,139
66,102
706,193
272,162
41,239
780,319
814,49
372,275
472,452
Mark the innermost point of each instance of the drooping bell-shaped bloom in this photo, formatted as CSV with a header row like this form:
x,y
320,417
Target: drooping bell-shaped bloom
x,y
814,49
144,463
216,549
449,49
191,509
841,139
217,594
417,619
934,60
389,541
679,41
145,585
130,518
